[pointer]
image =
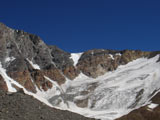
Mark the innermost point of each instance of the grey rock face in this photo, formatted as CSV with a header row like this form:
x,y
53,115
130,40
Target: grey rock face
x,y
22,45
16,48
60,57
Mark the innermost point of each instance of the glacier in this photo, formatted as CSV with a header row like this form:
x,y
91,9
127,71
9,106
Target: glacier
x,y
106,97
115,93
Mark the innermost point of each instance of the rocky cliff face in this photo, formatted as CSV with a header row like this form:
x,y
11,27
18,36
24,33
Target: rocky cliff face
x,y
40,68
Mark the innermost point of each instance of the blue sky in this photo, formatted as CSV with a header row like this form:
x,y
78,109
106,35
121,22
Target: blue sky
x,y
79,25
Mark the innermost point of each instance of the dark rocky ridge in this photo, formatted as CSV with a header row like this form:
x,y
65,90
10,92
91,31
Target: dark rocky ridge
x,y
18,106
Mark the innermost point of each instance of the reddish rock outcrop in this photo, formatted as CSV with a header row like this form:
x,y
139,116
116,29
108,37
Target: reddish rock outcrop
x,y
40,81
97,62
55,75
24,79
130,55
32,79
71,72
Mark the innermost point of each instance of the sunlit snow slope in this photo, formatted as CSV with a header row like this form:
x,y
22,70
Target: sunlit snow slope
x,y
113,94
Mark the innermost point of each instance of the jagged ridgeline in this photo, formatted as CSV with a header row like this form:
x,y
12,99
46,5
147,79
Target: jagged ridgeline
x,y
97,83
19,49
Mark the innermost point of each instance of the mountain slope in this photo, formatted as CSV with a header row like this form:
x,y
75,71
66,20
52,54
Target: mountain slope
x,y
102,84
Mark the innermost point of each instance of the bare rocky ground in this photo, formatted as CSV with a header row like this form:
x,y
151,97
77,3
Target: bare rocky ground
x,y
18,106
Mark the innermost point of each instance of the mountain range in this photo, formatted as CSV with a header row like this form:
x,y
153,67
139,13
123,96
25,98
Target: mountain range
x,y
99,83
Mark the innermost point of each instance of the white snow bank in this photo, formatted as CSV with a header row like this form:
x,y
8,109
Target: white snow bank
x,y
35,66
152,105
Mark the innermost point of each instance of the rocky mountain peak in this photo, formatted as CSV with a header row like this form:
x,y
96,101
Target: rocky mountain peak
x,y
20,50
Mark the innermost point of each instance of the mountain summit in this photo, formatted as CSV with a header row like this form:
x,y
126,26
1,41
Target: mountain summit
x,y
99,83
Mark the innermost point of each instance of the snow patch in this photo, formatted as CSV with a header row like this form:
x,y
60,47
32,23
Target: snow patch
x,y
9,59
75,57
118,54
111,56
35,66
152,105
